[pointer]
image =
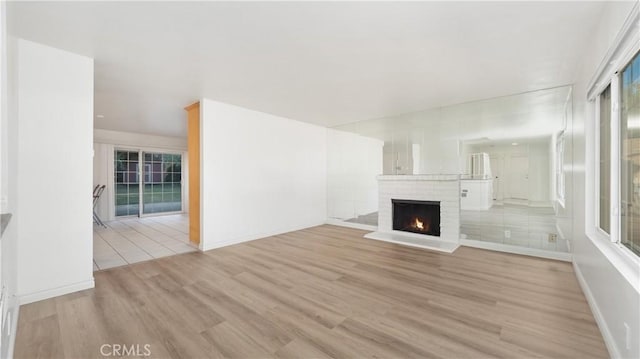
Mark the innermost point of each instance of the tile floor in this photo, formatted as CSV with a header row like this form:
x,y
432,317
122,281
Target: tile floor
x,y
132,240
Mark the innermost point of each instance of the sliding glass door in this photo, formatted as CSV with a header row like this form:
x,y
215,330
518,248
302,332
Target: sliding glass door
x,y
127,182
162,183
148,178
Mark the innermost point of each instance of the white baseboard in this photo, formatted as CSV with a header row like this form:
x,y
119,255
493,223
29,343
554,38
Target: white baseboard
x,y
499,247
230,242
602,324
336,222
55,292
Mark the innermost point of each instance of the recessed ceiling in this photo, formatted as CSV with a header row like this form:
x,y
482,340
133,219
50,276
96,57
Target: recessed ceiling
x,y
325,63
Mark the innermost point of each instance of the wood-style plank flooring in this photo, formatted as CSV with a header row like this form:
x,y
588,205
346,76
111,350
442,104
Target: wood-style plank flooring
x,y
318,293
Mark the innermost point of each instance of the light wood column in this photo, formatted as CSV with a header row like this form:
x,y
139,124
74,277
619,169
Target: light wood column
x,y
193,146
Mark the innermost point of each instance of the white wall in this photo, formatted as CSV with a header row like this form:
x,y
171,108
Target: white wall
x,y
437,148
51,176
260,174
131,139
105,143
8,242
353,163
440,148
613,298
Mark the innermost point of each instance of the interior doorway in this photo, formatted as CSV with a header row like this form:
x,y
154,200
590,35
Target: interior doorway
x,y
519,177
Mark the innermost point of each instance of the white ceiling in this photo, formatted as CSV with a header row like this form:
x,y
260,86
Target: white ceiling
x,y
325,63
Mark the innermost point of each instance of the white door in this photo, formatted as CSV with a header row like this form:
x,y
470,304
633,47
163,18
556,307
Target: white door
x,y
518,173
496,162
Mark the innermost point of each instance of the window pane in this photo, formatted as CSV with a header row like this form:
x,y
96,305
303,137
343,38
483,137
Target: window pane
x,y
161,196
126,186
605,160
630,155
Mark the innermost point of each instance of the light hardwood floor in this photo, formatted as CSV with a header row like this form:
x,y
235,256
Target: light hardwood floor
x,y
322,292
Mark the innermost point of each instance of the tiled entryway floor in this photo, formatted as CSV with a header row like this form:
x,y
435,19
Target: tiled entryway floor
x,y
134,240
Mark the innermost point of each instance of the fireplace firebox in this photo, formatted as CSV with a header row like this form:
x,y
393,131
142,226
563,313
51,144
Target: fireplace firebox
x,y
421,217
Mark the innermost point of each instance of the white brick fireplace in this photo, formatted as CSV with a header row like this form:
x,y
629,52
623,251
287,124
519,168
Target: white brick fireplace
x,y
441,188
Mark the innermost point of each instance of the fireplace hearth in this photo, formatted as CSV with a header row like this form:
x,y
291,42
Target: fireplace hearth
x,y
419,210
422,217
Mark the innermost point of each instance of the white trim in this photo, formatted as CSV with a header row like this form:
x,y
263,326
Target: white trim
x,y
619,54
559,175
596,160
626,263
614,214
625,46
337,222
55,292
602,323
422,241
500,247
253,237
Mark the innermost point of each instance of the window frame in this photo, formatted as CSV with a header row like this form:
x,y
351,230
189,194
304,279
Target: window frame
x,y
624,48
560,175
618,112
616,155
615,175
111,204
612,158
